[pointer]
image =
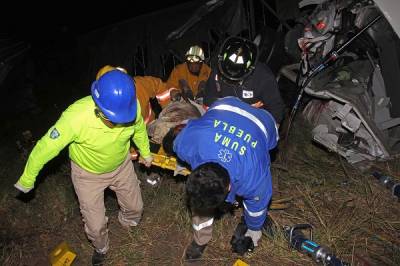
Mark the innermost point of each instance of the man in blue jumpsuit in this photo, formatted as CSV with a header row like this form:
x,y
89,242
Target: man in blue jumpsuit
x,y
228,151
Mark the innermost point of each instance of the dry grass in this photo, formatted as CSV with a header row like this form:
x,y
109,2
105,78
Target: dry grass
x,y
351,212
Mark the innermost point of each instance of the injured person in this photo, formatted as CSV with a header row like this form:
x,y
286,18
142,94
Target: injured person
x,y
175,113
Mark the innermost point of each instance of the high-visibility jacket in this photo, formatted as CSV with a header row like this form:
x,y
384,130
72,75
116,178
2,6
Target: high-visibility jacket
x,y
181,71
92,145
148,87
238,137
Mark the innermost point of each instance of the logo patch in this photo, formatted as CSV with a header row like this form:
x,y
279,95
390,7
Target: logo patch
x,y
54,133
224,155
247,94
96,93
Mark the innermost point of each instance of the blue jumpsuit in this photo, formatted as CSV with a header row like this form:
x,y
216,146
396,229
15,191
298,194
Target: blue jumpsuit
x,y
238,137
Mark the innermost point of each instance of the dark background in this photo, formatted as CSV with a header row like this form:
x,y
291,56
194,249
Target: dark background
x,y
50,53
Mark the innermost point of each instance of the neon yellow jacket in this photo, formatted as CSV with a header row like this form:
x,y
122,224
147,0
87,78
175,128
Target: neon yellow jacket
x,y
92,145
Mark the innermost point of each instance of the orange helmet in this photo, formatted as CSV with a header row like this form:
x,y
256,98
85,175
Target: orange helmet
x,y
108,68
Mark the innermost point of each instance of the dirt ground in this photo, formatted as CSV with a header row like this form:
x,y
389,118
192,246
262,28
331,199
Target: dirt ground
x,y
352,214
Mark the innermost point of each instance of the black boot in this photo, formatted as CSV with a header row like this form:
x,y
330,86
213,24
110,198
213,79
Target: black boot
x,y
194,251
98,258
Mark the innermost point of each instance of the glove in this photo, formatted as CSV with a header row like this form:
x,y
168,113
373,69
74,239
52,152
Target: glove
x,y
146,161
22,188
254,235
175,95
201,89
187,92
241,243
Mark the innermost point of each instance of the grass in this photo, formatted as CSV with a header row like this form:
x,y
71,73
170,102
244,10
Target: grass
x,y
352,214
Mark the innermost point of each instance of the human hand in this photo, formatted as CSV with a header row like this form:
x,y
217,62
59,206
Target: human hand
x,y
134,154
175,95
146,161
254,235
239,242
22,188
187,92
258,104
201,89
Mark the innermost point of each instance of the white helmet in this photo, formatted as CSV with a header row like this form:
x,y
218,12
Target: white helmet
x,y
195,54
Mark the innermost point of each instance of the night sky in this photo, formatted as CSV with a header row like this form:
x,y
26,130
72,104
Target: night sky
x,y
37,21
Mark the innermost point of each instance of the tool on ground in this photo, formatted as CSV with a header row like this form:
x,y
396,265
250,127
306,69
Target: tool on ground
x,y
62,255
239,262
306,245
327,60
389,183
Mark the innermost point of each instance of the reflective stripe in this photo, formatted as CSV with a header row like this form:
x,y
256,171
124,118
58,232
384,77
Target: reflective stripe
x,y
276,126
254,214
244,113
203,225
165,95
277,132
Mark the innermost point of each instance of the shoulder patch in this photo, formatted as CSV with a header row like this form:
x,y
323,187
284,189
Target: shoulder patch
x,y
54,133
247,94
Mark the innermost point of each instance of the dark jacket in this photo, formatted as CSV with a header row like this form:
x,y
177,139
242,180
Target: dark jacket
x,y
261,86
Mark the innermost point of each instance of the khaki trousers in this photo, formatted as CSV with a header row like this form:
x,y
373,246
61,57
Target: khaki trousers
x,y
90,188
202,229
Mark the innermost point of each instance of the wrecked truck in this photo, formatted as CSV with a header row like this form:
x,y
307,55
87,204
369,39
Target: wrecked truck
x,y
353,104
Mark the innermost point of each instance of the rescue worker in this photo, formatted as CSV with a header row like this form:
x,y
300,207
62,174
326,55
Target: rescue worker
x,y
239,73
98,130
227,150
147,87
190,77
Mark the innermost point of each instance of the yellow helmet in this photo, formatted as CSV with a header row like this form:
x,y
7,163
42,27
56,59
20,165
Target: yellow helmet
x,y
195,54
108,68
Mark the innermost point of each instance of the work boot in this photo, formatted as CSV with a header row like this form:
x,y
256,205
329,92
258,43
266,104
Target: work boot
x,y
98,258
194,251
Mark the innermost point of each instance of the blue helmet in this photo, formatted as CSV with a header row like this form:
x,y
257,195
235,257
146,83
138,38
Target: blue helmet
x,y
115,95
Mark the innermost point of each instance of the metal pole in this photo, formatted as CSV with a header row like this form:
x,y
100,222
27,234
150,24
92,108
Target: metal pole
x,y
276,15
252,19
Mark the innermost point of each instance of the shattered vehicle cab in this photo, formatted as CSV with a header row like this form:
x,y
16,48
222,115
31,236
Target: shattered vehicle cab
x,y
355,103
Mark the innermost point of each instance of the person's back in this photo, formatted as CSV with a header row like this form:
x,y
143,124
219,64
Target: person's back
x,y
238,73
235,135
227,149
147,87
